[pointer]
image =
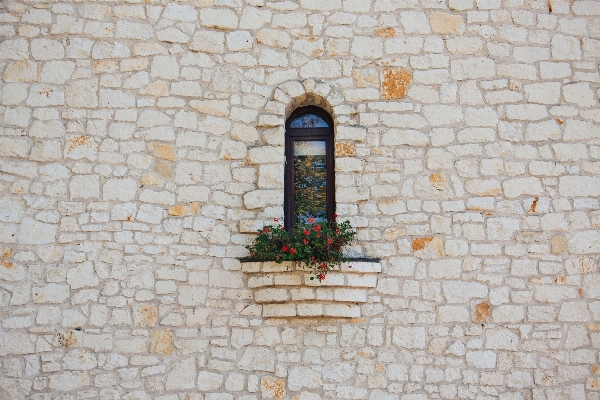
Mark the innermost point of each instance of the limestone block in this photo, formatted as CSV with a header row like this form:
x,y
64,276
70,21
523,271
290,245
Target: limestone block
x,y
21,71
35,232
79,359
321,5
520,186
164,67
180,12
438,115
116,99
50,293
14,93
161,341
547,130
591,286
463,292
565,47
444,23
14,49
453,314
481,359
209,381
575,186
300,376
103,50
551,70
83,93
219,18
473,68
414,22
68,381
47,49
254,18
45,95
134,30
530,54
182,376
410,337
85,187
574,311
257,359
409,45
580,94
580,130
530,112
273,38
58,72
18,116
321,69
445,269
585,242
119,189
367,47
46,151
172,35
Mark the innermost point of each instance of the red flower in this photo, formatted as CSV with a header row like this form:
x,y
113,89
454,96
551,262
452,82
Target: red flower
x,y
293,250
329,241
266,230
349,266
276,219
284,248
311,220
306,232
318,235
323,266
337,231
334,215
317,228
321,277
305,241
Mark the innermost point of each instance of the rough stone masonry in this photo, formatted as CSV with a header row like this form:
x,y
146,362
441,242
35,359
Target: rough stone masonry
x,y
141,145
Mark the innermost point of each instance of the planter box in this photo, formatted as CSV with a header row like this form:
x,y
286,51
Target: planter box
x,y
286,290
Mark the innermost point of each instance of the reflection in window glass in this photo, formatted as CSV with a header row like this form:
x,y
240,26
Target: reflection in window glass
x,y
308,121
310,181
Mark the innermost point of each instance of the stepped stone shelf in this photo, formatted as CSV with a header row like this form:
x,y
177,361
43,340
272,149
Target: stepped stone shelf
x,y
286,290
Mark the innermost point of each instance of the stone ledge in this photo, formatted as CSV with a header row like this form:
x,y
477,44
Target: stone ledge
x,y
286,290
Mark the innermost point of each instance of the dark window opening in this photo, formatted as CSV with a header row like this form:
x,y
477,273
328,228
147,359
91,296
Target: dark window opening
x,y
309,169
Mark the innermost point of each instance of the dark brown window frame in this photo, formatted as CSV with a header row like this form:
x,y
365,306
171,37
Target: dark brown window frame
x,y
291,134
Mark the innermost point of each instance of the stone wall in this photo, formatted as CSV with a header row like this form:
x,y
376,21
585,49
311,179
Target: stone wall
x,y
141,144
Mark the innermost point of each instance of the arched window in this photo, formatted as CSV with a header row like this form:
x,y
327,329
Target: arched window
x,y
309,166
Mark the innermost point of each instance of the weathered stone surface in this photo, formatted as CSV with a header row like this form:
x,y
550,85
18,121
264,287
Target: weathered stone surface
x,y
182,376
257,359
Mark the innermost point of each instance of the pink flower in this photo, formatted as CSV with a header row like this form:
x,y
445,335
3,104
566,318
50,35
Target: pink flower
x,y
304,241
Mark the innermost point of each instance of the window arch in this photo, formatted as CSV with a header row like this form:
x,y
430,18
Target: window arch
x,y
309,166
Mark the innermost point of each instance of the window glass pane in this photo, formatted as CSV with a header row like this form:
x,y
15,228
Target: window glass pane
x,y
310,181
308,121
309,148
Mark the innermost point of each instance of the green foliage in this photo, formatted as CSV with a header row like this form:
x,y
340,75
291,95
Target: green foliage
x,y
316,245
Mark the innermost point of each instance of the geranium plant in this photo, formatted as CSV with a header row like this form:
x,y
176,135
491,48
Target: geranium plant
x,y
316,245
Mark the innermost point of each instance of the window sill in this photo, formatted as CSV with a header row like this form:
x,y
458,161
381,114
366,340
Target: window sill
x,y
286,290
